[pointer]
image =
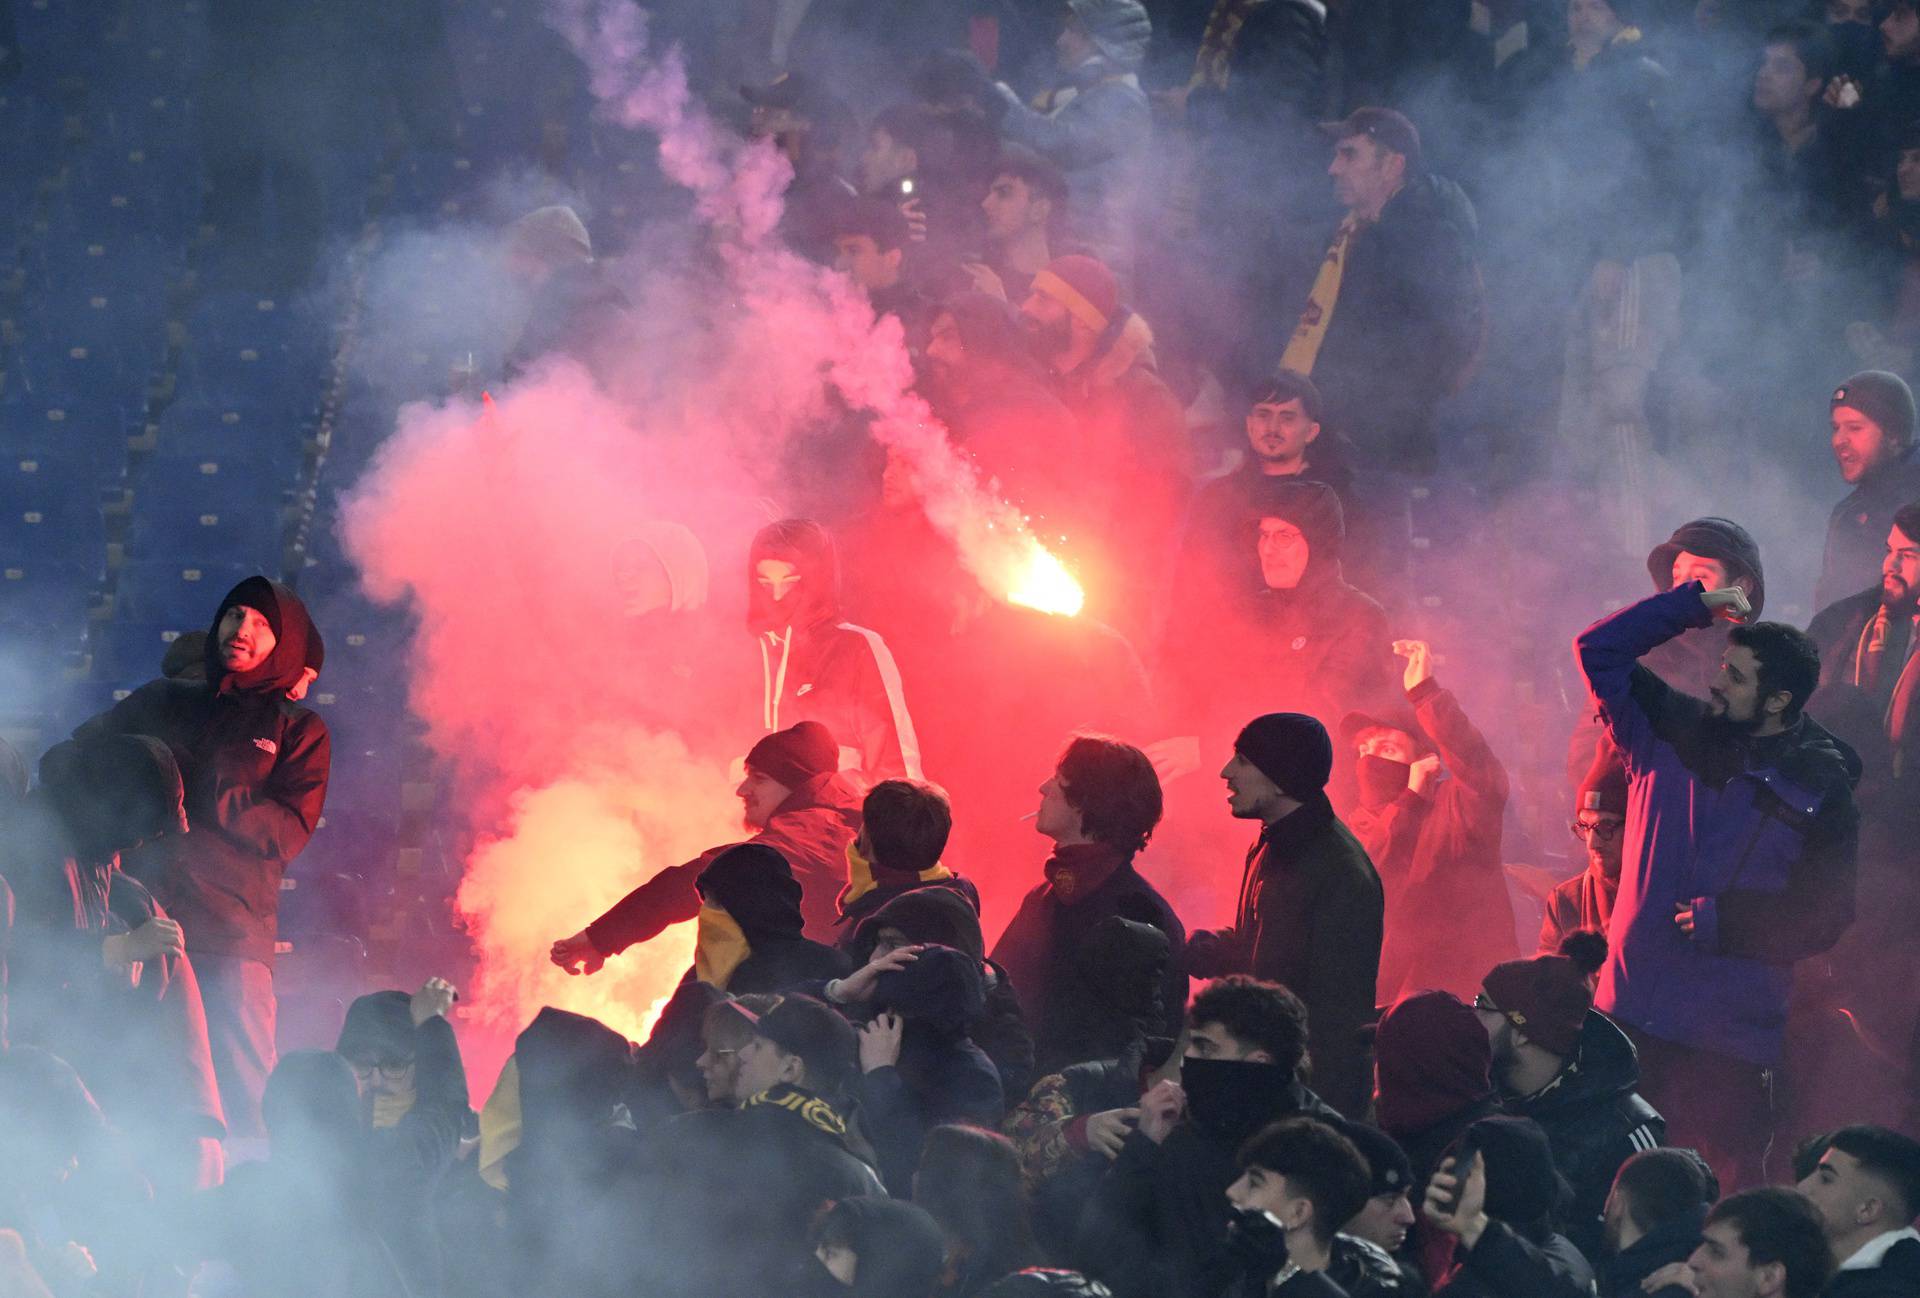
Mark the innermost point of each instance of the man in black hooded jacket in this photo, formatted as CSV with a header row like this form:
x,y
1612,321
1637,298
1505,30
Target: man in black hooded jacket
x,y
749,927
255,765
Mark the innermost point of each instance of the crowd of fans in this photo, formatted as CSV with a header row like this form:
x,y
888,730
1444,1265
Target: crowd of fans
x,y
1359,1083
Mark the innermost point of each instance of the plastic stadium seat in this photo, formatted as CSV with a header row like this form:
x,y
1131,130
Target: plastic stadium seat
x,y
46,518
36,435
236,523
129,324
132,650
56,371
204,431
173,594
35,595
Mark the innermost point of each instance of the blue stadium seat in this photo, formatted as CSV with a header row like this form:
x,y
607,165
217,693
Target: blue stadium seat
x,y
69,374
206,511
130,324
46,518
171,594
41,597
132,649
37,433
207,432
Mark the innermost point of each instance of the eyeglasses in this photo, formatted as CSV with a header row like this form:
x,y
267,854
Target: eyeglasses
x,y
387,1068
1483,1002
1604,830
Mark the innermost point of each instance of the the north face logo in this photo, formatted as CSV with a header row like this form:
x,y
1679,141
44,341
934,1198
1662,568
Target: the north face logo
x,y
267,746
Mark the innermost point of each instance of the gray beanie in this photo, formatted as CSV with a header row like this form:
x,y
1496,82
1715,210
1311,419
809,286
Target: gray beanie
x,y
1120,29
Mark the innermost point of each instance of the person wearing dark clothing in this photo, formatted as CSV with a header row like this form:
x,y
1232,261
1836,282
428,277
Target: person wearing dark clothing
x,y
1099,807
299,1223
943,916
1387,1216
98,975
1564,1064
875,1247
1739,860
749,937
573,308
1867,642
1716,552
904,827
1500,1208
817,667
667,1078
1391,320
1311,909
1585,902
918,1067
798,804
1873,426
811,127
1654,1213
1433,1070
1158,1221
1867,1191
969,1181
255,765
1432,799
1281,628
1299,1180
414,1086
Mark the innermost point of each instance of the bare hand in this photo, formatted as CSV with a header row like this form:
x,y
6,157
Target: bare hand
x,y
577,954
985,281
1842,92
1107,1132
1729,602
1419,656
916,218
1683,917
1173,758
1161,1110
1673,1273
1423,773
858,986
880,1043
157,937
1459,1211
435,997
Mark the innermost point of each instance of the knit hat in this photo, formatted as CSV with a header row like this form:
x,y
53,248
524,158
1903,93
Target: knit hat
x,y
1290,748
1712,538
379,1027
1392,1170
1523,1186
795,755
1605,785
1432,1059
1882,397
754,884
1120,29
815,1031
1546,997
1084,286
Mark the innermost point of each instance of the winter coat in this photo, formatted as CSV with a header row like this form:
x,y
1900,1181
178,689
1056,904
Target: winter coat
x,y
1310,917
1049,1129
941,1076
1157,1226
1667,1243
1897,1275
1087,988
255,766
1858,526
755,887
817,667
1595,1120
1405,326
1438,854
1506,1264
1840,631
942,915
1097,129
811,829
1759,835
1243,649
1356,1269
1582,902
853,914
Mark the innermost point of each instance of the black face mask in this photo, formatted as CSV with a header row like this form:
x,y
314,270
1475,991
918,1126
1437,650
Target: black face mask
x,y
1257,1241
1382,779
1232,1097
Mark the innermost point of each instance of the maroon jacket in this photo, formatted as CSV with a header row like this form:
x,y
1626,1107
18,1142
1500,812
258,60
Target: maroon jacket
x,y
1449,919
812,829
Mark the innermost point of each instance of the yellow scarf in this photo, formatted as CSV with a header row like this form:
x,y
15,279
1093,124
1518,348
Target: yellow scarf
x,y
1625,36
718,947
500,1126
1213,65
860,880
1303,349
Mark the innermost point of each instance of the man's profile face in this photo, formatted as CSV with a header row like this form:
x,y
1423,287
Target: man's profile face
x,y
1900,32
1364,174
1280,430
945,347
1781,83
1212,1041
1049,325
1385,1221
1008,207
1284,553
762,1066
760,796
246,639
1850,11
1859,444
860,258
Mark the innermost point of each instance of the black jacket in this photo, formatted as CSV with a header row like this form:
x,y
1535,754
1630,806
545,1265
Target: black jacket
x,y
1897,1276
1310,916
857,910
1156,1228
1857,529
255,765
1669,1242
1506,1264
1595,1120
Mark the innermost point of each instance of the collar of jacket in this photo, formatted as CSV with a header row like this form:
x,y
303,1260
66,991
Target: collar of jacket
x,y
1291,832
1073,872
814,1110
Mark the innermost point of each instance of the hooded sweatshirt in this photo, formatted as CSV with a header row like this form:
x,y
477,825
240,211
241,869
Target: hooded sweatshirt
x,y
754,885
815,666
255,765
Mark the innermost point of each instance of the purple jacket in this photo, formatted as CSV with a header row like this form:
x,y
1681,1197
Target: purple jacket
x,y
1759,834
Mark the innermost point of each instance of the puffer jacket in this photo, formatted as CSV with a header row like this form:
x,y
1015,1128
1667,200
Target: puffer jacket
x,y
1759,835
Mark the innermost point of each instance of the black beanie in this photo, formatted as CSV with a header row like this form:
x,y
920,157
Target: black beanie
x,y
1882,397
1290,748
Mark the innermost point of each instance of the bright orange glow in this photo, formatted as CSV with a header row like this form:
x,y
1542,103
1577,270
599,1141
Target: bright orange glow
x,y
1045,584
